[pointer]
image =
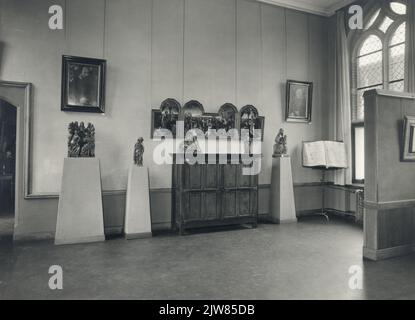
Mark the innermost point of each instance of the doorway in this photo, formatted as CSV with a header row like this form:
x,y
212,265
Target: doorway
x,y
8,121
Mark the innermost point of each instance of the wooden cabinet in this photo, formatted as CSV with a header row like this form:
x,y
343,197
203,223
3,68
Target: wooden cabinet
x,y
207,195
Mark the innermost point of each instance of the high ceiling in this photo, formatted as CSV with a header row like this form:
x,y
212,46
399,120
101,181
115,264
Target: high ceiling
x,y
321,7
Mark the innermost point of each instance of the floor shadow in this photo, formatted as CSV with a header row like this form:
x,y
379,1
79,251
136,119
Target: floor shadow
x,y
6,226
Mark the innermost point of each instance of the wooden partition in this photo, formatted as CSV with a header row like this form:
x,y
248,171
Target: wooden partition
x,y
390,183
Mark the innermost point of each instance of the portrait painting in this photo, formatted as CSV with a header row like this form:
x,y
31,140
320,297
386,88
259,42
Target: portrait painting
x,y
299,101
83,84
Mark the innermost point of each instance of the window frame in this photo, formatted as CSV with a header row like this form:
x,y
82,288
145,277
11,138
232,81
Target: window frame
x,y
390,46
385,38
357,39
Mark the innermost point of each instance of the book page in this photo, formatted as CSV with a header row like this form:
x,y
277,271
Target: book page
x,y
314,154
336,155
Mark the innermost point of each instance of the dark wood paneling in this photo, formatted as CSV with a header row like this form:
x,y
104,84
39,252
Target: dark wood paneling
x,y
245,181
229,204
193,206
213,195
211,206
211,177
193,177
395,227
254,201
230,176
244,201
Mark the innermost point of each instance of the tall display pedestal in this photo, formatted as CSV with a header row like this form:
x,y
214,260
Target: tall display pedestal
x,y
282,204
137,213
80,214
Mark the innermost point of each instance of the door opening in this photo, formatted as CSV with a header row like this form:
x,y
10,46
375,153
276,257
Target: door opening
x,y
8,119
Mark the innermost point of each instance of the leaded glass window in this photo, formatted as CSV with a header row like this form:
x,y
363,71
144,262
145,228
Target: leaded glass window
x,y
378,62
397,59
370,71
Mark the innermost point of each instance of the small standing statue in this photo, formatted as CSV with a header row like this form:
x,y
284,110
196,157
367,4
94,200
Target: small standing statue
x,y
280,147
138,152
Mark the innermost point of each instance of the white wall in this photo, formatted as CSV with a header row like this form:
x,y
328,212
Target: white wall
x,y
216,51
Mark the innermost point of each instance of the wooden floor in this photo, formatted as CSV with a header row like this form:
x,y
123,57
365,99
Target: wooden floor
x,y
307,260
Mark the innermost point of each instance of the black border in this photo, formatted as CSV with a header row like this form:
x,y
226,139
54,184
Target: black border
x,y
310,99
408,136
64,93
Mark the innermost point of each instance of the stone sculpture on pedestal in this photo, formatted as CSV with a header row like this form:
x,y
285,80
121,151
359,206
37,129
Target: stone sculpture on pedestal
x,y
81,140
280,147
138,152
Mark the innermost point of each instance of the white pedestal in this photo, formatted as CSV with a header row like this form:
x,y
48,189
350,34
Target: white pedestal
x,y
137,213
282,204
80,215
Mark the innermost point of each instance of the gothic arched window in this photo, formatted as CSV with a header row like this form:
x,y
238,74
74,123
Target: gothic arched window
x,y
378,62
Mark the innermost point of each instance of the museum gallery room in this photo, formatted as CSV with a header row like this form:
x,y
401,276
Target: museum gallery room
x,y
207,149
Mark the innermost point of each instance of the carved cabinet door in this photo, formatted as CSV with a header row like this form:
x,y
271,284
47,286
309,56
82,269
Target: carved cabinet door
x,y
247,193
229,195
192,196
240,193
211,192
201,192
216,193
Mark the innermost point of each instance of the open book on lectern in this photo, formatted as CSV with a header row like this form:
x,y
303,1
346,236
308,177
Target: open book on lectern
x,y
325,154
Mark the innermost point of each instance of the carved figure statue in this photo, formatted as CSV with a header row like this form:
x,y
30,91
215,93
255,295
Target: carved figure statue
x,y
138,152
71,130
88,149
82,130
74,145
280,147
81,140
91,139
187,121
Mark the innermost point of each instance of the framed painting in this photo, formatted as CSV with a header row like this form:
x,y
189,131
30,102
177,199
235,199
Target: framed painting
x,y
299,101
83,84
166,116
156,122
192,108
408,147
228,117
